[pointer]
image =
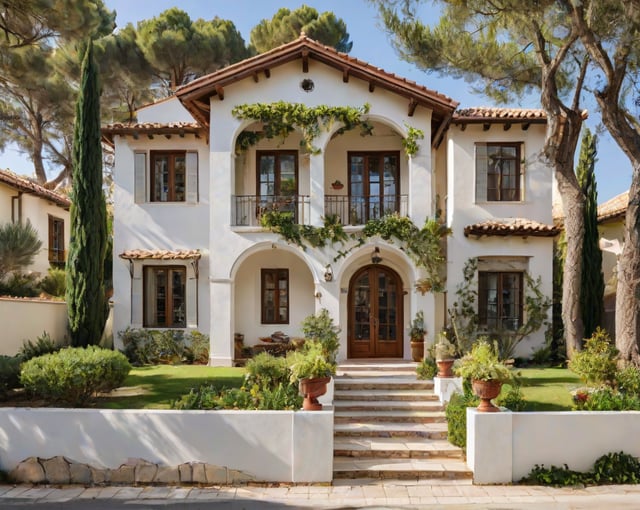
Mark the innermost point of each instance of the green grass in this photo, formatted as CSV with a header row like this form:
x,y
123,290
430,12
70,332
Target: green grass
x,y
548,389
156,387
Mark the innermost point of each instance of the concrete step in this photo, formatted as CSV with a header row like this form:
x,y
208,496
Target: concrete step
x,y
388,416
436,430
396,448
387,405
402,469
421,395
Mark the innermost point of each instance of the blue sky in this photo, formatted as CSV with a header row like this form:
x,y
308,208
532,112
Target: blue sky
x,y
371,44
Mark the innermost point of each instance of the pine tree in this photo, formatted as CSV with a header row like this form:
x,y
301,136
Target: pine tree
x,y
592,288
85,263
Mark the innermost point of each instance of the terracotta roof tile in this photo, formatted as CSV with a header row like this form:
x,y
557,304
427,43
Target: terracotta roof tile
x,y
483,114
26,185
613,208
511,227
161,254
150,128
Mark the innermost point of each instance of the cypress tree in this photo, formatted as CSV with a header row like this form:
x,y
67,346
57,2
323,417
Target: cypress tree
x,y
592,289
85,262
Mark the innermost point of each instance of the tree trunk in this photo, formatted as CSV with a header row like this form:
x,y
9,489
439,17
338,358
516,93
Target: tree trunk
x,y
627,294
36,152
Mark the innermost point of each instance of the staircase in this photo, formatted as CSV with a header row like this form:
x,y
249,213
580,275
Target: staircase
x,y
388,424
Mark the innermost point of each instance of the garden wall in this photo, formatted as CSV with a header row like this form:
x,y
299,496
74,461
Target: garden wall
x,y
277,446
26,319
504,447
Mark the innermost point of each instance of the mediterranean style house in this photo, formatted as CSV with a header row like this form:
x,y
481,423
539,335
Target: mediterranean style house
x,y
193,181
22,200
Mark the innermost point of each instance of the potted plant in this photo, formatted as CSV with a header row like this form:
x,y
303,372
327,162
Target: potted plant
x,y
417,332
337,184
312,370
485,371
445,353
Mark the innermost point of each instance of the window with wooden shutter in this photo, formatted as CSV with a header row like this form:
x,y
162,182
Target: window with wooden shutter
x,y
500,300
140,177
56,242
168,179
498,172
275,296
165,296
192,177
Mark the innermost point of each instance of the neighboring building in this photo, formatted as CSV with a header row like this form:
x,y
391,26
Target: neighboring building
x,y
611,225
189,251
22,200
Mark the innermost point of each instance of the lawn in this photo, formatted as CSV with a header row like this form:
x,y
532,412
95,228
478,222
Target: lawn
x,y
156,387
548,389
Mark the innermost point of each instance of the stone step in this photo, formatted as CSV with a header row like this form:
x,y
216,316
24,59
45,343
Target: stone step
x,y
381,383
402,469
388,416
385,395
387,405
396,448
436,430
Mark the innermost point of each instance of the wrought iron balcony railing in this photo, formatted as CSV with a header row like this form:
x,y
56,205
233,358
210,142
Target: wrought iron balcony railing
x,y
248,209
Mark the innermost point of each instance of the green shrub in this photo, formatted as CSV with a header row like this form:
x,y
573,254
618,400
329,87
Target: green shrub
x,y
608,399
20,285
43,345
456,413
512,398
267,371
321,328
9,373
628,380
427,368
55,283
596,364
73,375
612,468
151,347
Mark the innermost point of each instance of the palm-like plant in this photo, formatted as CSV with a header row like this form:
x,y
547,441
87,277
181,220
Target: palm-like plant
x,y
19,245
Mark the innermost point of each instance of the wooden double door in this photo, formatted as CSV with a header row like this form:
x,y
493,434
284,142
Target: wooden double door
x,y
375,328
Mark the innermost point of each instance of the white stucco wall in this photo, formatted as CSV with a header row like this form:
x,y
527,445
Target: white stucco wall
x,y
274,446
165,110
505,447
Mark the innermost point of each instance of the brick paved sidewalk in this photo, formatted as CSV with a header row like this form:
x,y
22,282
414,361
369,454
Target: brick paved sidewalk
x,y
348,493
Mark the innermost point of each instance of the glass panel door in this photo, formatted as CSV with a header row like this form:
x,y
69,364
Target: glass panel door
x,y
373,185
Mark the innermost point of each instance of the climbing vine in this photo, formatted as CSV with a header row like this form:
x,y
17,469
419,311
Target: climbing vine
x,y
423,245
280,119
466,323
410,143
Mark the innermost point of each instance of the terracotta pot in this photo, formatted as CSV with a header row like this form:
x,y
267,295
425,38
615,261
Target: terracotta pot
x,y
445,367
487,391
417,350
312,388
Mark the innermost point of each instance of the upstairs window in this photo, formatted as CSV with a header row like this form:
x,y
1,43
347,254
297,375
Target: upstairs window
x,y
275,296
500,300
166,176
56,241
498,172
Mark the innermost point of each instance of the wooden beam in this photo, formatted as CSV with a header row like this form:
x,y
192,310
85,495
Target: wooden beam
x,y
507,126
372,86
150,136
463,127
345,75
202,106
267,73
412,107
305,61
486,126
167,136
525,126
220,93
256,77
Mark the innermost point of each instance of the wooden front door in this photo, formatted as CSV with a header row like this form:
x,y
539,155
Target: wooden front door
x,y
375,313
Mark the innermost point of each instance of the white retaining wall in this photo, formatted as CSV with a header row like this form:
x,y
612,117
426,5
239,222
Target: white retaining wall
x,y
278,446
504,447
27,319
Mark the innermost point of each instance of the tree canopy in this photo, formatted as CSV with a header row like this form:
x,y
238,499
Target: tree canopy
x,y
287,25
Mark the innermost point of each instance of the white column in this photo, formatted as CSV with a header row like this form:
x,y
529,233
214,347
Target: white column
x,y
420,185
221,330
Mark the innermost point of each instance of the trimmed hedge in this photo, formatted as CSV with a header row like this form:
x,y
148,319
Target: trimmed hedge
x,y
74,375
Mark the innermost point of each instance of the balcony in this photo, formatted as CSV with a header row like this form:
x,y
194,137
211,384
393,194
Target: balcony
x,y
358,209
248,209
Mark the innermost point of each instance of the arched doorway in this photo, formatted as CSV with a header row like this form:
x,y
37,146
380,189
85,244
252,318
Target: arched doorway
x,y
375,313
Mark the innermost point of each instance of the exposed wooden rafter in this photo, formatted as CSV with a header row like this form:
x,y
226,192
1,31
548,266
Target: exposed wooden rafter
x,y
372,86
413,104
507,126
256,77
345,75
305,61
220,92
267,73
486,126
525,126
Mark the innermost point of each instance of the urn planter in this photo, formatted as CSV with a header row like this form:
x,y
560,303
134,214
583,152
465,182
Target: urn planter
x,y
311,388
445,367
487,391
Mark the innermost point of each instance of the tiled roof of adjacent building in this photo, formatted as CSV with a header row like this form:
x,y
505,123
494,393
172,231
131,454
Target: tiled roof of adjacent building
x,y
614,208
135,129
161,254
25,185
489,114
511,227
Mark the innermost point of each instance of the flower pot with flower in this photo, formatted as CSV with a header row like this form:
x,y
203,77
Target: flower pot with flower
x,y
485,371
417,332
